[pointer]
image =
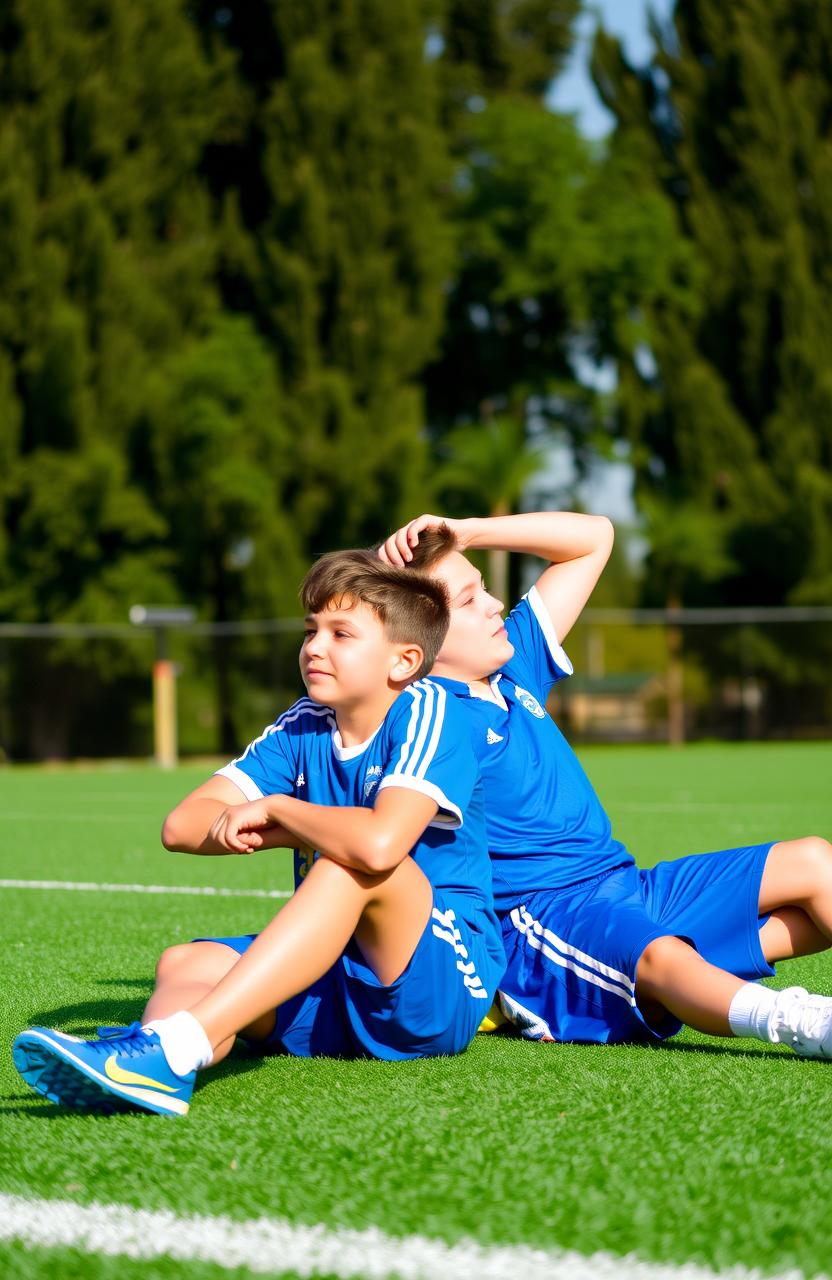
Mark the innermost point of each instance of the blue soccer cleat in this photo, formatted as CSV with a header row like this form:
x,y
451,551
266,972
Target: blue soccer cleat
x,y
126,1066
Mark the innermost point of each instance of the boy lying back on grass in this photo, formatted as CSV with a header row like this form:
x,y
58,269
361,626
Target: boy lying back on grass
x,y
390,947
596,948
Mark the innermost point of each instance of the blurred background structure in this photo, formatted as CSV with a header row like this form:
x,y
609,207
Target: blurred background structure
x,y
275,277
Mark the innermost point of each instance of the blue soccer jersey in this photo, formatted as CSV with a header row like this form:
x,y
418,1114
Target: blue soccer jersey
x,y
423,744
546,826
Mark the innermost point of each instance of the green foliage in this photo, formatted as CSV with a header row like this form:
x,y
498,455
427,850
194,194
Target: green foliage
x,y
687,543
336,241
728,130
220,275
221,459
487,466
556,260
501,47
104,266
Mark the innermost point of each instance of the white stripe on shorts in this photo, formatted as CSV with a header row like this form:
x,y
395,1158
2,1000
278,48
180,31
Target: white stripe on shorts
x,y
545,940
450,934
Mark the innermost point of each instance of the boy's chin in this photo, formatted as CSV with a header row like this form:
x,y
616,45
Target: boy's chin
x,y
319,695
497,656
503,653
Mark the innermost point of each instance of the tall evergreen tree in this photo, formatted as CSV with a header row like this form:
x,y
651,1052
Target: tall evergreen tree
x,y
108,261
513,197
727,393
552,249
329,175
221,273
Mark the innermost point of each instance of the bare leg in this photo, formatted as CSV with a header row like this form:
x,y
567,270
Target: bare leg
x,y
797,879
789,932
672,976
386,914
187,972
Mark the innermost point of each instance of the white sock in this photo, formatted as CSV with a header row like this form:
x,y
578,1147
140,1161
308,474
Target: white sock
x,y
751,1010
185,1044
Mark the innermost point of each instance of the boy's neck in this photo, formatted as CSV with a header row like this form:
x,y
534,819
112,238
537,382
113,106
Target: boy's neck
x,y
479,686
483,689
358,723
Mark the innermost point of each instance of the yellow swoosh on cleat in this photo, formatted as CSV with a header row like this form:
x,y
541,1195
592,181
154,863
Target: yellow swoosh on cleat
x,y
119,1076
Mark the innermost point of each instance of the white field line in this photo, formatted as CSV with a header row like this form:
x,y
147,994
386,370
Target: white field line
x,y
272,1246
692,806
196,891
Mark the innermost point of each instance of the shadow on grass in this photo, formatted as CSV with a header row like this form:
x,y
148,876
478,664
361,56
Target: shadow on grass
x,y
85,1017
731,1048
32,1105
735,1048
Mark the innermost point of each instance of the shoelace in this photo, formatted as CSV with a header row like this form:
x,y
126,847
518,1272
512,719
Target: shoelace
x,y
813,1021
132,1039
785,1015
801,1016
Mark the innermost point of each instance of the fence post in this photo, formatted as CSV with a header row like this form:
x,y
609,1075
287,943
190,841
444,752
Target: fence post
x,y
675,686
162,619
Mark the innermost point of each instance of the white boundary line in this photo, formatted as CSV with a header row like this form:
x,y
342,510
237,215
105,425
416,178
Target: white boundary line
x,y
273,1246
196,891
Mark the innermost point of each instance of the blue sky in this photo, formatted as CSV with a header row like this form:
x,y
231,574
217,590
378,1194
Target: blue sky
x,y
573,90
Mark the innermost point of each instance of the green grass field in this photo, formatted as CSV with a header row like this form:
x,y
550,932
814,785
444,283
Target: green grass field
x,y
717,1153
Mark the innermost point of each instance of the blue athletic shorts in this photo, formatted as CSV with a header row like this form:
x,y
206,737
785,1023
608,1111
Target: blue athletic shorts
x,y
433,1008
572,953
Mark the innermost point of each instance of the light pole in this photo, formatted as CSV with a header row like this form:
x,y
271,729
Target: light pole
x,y
162,619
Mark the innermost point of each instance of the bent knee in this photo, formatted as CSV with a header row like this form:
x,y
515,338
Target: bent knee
x,y
195,961
658,957
811,854
173,959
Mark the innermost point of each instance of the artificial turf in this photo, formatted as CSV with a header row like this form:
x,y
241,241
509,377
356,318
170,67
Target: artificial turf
x,y
706,1151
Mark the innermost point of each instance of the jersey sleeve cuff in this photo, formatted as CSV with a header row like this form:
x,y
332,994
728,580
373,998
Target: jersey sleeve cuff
x,y
546,625
449,816
249,788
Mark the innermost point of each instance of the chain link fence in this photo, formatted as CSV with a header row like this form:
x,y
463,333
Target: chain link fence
x,y
70,692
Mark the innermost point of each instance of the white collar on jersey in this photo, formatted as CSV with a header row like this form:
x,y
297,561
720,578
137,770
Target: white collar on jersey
x,y
495,693
349,753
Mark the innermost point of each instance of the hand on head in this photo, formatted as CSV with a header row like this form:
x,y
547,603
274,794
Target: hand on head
x,y
398,548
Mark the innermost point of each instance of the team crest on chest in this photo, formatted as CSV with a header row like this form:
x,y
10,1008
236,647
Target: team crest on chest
x,y
371,779
529,701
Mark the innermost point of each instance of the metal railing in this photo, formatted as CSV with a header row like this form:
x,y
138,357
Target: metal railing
x,y
71,690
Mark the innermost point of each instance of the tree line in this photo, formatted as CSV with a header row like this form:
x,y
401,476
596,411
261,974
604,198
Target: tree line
x,y
273,276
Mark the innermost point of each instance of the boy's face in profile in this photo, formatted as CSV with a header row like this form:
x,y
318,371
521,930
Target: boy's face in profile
x,y
476,643
346,658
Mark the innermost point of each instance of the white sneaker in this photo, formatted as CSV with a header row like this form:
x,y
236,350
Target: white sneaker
x,y
802,1021
530,1025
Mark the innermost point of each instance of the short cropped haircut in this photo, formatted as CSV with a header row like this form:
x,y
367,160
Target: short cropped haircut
x,y
412,608
434,544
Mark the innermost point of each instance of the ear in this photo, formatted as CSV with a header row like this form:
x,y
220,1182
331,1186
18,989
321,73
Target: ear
x,y
407,663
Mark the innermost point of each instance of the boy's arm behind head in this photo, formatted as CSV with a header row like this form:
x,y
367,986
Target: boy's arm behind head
x,y
577,547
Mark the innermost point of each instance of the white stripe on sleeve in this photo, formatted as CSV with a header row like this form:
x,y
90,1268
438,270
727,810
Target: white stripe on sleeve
x,y
249,788
437,730
424,727
544,621
416,695
449,815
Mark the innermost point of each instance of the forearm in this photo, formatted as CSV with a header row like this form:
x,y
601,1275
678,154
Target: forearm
x,y
354,837
188,829
556,536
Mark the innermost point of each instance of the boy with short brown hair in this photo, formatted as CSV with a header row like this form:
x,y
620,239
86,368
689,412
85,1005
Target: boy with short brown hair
x,y
390,947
